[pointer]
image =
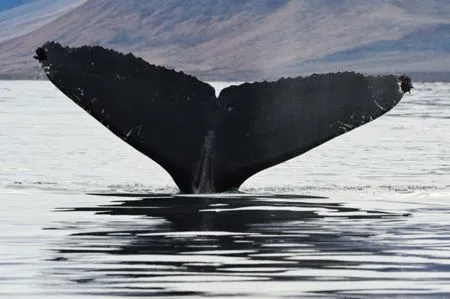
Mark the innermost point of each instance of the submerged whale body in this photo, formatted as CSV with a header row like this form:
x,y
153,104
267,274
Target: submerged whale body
x,y
207,143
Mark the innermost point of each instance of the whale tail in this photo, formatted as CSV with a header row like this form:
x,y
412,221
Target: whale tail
x,y
208,143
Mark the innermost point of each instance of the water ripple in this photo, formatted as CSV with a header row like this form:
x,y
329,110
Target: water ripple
x,y
273,245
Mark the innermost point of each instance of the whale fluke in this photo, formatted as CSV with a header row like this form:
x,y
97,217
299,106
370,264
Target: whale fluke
x,y
208,143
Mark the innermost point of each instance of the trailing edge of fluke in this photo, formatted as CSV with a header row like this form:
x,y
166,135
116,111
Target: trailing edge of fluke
x,y
213,144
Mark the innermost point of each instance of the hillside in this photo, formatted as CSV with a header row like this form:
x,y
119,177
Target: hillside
x,y
239,39
20,17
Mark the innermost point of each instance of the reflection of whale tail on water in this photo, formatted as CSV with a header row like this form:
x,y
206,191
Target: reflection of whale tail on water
x,y
209,143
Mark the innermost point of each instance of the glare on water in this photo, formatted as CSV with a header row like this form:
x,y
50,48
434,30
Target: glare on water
x,y
84,215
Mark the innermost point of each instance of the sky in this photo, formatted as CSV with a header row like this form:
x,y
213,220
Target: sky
x,y
7,4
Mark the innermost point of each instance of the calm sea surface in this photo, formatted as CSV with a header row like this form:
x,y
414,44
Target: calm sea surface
x,y
83,215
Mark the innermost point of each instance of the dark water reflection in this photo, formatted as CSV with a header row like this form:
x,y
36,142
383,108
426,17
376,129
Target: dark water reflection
x,y
241,245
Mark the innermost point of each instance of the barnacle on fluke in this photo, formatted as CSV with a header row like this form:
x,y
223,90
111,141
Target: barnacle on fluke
x,y
41,54
208,143
405,83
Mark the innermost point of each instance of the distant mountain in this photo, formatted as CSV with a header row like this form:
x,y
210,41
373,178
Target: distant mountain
x,y
243,39
21,17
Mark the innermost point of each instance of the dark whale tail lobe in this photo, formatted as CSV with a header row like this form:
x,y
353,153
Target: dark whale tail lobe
x,y
210,144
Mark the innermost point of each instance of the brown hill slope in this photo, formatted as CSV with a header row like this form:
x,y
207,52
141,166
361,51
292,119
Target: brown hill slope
x,y
231,39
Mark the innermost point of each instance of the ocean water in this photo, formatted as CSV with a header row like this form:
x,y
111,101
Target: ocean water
x,y
83,215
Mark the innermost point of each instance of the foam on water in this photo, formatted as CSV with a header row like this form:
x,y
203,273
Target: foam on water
x,y
84,215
